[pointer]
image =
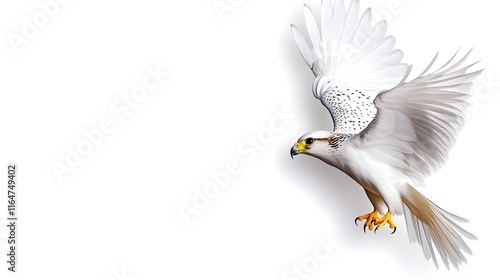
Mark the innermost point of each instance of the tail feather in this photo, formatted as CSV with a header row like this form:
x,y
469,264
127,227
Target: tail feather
x,y
433,227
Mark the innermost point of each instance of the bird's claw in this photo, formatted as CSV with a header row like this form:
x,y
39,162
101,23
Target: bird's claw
x,y
375,230
374,222
370,218
386,219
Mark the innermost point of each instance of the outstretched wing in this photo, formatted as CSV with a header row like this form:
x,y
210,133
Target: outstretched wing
x,y
418,121
352,62
415,127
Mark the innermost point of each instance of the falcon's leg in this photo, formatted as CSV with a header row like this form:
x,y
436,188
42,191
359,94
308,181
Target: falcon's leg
x,y
373,218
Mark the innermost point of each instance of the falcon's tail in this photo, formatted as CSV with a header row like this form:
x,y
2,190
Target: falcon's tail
x,y
428,224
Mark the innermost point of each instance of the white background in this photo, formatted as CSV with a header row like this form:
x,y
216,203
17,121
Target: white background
x,y
116,215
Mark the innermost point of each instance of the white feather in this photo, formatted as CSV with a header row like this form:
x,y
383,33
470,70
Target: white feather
x,y
338,19
326,20
312,27
304,48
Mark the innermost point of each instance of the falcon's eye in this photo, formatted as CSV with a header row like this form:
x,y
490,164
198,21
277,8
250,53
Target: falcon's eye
x,y
309,141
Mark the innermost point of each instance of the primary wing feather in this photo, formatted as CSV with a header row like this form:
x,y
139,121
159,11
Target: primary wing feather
x,y
352,62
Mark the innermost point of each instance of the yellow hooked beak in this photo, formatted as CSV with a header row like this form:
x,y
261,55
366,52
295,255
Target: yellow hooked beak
x,y
298,147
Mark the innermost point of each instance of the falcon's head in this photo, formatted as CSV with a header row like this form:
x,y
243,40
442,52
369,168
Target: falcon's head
x,y
319,144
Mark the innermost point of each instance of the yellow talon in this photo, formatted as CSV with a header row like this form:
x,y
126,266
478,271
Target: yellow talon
x,y
373,219
370,219
387,218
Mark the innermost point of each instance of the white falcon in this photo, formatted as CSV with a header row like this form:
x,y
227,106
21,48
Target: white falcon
x,y
390,133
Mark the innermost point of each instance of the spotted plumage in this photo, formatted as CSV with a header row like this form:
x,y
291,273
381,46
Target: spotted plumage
x,y
336,141
349,113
